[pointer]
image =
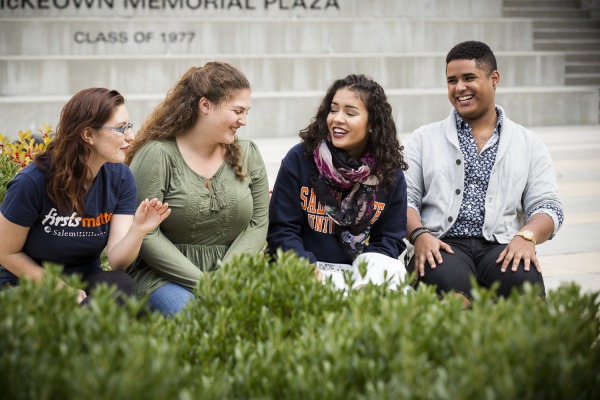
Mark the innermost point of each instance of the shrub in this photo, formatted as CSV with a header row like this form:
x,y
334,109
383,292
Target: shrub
x,y
261,330
8,170
18,154
60,351
23,150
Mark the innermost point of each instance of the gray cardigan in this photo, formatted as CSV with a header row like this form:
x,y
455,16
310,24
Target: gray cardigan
x,y
522,178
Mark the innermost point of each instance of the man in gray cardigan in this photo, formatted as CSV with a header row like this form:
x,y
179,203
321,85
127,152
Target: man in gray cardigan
x,y
482,191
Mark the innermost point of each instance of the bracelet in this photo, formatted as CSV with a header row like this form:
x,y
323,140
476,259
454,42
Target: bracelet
x,y
418,232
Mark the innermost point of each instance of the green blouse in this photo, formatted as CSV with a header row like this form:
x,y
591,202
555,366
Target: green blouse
x,y
209,222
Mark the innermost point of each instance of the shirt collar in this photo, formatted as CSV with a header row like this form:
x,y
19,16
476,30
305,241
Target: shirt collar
x,y
463,125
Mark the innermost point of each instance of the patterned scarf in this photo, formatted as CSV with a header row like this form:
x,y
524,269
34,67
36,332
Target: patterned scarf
x,y
337,172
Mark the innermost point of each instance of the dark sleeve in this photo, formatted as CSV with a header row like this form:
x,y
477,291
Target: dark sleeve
x,y
23,200
126,203
390,228
286,217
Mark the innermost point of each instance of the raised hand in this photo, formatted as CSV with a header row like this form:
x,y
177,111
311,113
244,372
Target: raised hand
x,y
150,214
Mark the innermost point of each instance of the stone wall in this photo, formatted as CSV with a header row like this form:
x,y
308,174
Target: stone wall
x,y
291,50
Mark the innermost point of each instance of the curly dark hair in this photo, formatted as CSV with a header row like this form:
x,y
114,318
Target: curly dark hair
x,y
65,158
383,138
179,111
474,50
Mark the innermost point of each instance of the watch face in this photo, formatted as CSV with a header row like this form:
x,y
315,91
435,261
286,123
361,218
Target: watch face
x,y
527,235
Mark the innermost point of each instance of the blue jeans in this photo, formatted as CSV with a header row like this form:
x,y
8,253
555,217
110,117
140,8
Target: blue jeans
x,y
169,299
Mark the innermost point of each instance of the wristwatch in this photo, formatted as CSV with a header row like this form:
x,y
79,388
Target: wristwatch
x,y
527,235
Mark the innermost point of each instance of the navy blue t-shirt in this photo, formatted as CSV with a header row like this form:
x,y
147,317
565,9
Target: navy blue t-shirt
x,y
68,239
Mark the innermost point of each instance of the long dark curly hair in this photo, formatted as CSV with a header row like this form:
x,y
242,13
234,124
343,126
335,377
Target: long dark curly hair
x,y
179,111
65,158
383,138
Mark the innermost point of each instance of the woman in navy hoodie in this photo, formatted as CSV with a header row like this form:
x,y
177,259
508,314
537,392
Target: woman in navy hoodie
x,y
340,195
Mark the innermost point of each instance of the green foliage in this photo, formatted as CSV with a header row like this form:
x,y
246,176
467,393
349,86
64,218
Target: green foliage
x,y
8,170
23,150
53,349
261,330
18,154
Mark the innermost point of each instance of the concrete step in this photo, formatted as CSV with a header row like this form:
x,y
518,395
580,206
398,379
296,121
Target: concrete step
x,y
271,115
583,79
281,9
583,67
544,12
130,74
571,143
583,56
101,36
542,3
566,44
571,34
562,23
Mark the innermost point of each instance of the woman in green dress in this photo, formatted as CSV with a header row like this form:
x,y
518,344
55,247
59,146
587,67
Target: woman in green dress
x,y
187,154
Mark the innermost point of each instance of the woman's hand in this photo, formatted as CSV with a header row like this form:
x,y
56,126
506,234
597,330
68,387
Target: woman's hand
x,y
79,293
319,274
150,214
125,236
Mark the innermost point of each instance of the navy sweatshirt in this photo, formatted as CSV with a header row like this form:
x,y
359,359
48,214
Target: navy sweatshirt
x,y
298,222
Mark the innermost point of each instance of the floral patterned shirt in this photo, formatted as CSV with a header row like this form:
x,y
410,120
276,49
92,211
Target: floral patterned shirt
x,y
478,167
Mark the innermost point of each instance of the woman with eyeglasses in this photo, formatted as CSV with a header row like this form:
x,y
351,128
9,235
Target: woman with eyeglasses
x,y
76,199
188,153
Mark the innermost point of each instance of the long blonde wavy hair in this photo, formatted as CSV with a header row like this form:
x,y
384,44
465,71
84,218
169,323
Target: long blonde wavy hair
x,y
179,111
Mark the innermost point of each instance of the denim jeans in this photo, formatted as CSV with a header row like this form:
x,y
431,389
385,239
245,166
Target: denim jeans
x,y
169,299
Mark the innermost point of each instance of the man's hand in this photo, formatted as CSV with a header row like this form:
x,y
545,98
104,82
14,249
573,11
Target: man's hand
x,y
516,250
427,248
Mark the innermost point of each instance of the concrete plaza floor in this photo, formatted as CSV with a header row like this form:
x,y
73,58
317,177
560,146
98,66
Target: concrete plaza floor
x,y
574,254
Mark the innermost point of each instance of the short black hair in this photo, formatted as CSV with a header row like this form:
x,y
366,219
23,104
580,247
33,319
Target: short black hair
x,y
474,50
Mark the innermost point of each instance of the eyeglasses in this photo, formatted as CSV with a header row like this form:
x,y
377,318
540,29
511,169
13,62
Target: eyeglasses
x,y
121,129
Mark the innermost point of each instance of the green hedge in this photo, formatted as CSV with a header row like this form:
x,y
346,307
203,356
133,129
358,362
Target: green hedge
x,y
8,170
272,332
